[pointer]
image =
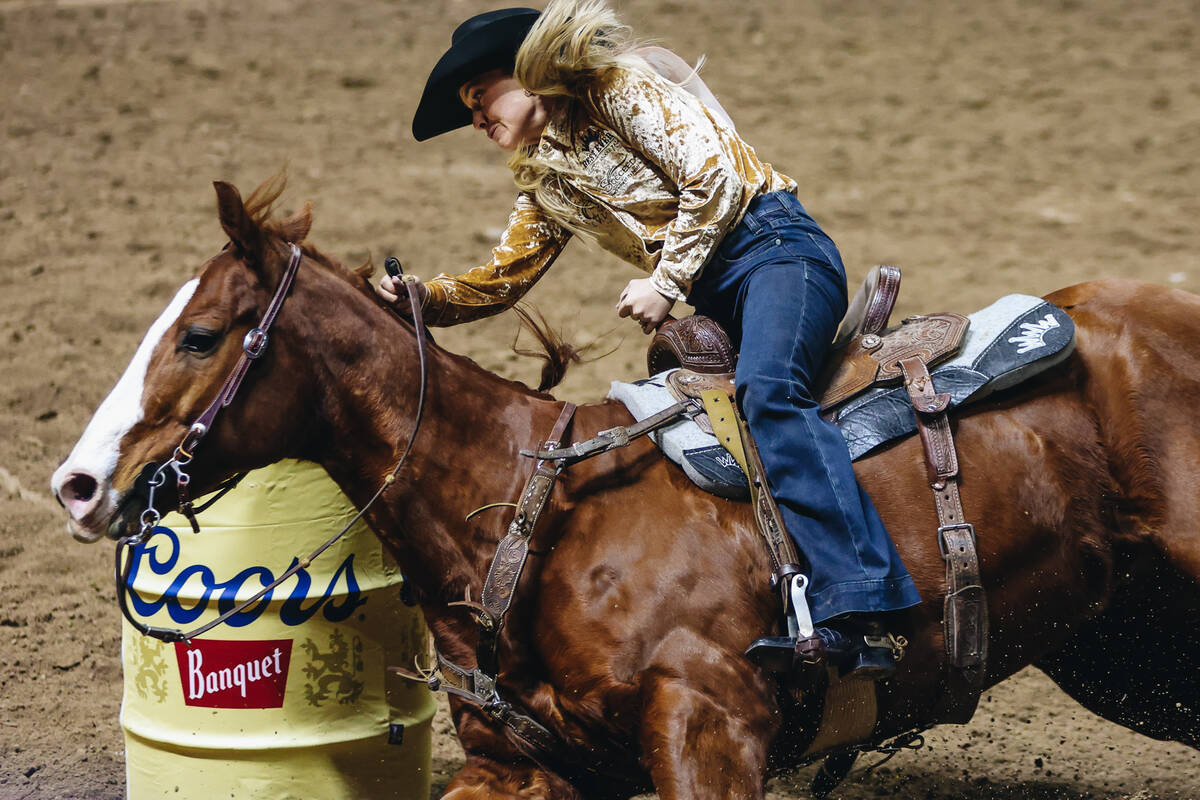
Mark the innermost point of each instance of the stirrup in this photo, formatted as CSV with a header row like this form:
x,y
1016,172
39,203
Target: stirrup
x,y
856,657
784,654
870,655
780,653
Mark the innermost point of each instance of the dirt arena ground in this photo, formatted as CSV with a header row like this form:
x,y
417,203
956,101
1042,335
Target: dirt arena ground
x,y
986,147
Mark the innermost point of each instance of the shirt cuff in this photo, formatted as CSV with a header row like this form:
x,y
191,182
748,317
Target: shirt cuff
x,y
667,287
435,301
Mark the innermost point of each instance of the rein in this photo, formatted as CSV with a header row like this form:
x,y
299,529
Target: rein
x,y
253,347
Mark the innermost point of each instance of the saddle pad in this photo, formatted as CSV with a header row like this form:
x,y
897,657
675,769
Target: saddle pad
x,y
1011,340
706,462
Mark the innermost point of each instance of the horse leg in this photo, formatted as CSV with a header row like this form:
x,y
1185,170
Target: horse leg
x,y
483,778
494,768
700,741
1133,664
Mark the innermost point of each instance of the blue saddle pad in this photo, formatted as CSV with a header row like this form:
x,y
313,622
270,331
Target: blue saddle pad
x,y
1011,340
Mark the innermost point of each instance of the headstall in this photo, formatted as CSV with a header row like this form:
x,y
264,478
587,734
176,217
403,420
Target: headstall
x,y
253,346
478,684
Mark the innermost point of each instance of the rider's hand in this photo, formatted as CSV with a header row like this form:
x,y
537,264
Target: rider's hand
x,y
392,290
643,302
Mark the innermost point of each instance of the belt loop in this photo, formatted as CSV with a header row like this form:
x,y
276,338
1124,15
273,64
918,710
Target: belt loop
x,y
752,224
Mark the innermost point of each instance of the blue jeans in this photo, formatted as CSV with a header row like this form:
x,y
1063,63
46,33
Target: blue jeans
x,y
777,285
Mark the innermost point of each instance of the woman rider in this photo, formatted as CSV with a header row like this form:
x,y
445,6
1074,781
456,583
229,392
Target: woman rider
x,y
606,148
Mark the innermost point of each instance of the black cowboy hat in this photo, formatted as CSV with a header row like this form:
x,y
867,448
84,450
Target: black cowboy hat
x,y
482,43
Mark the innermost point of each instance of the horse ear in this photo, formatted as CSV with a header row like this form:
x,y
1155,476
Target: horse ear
x,y
238,225
295,228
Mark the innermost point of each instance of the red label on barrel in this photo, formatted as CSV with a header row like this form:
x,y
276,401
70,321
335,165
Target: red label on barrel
x,y
219,673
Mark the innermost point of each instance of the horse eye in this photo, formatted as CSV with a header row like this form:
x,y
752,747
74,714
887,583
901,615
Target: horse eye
x,y
200,341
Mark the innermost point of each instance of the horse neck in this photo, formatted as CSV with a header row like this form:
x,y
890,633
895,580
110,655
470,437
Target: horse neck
x,y
464,456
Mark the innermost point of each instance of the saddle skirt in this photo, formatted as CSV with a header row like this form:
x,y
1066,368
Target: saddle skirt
x,y
1006,343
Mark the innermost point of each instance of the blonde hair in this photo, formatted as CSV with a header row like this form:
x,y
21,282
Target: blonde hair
x,y
572,43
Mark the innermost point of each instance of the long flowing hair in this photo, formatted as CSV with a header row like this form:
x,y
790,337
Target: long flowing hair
x,y
573,43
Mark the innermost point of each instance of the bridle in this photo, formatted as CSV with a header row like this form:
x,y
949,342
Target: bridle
x,y
545,746
253,346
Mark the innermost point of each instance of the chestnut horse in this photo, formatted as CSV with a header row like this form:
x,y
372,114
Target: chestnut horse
x,y
626,636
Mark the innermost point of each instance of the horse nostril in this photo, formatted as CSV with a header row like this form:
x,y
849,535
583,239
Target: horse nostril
x,y
80,487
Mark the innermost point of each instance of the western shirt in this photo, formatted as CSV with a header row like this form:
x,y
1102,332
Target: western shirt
x,y
654,177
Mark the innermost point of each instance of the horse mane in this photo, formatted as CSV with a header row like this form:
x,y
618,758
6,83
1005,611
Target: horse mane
x,y
556,353
260,205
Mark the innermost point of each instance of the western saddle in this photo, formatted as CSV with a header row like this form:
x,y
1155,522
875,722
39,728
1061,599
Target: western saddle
x,y
866,353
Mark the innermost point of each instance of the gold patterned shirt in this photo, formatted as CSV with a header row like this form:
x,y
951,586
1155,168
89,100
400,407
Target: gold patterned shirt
x,y
655,177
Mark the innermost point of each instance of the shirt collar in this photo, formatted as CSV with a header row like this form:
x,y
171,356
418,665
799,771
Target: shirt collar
x,y
556,135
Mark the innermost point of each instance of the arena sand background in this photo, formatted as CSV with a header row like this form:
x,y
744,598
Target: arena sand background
x,y
986,147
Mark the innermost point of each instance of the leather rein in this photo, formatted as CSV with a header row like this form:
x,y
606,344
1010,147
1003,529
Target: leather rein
x,y
253,346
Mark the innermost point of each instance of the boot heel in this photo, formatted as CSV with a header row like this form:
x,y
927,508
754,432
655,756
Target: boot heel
x,y
869,664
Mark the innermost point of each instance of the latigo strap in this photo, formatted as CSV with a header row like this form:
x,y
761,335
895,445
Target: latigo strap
x,y
965,617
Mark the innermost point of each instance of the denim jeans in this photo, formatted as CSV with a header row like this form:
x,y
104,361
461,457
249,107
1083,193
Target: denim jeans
x,y
778,286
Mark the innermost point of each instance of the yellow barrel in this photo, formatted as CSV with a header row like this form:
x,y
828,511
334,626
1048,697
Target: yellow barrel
x,y
292,698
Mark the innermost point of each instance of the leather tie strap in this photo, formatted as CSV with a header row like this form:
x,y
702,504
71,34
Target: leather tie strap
x,y
610,439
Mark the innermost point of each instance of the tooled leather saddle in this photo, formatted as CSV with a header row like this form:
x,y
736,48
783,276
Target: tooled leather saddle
x,y
865,353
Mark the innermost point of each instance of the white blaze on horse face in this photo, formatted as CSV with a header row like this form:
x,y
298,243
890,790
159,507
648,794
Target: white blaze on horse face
x,y
97,452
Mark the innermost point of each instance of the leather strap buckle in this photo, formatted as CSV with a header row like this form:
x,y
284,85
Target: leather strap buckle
x,y
190,442
944,529
255,343
784,572
619,436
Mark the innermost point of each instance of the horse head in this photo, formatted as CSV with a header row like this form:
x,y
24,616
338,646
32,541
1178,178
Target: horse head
x,y
183,361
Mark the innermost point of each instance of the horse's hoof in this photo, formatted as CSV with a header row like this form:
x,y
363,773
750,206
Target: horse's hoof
x,y
833,771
